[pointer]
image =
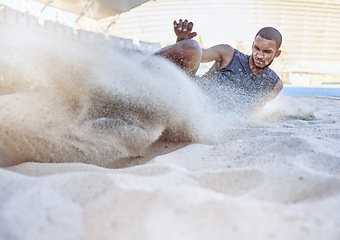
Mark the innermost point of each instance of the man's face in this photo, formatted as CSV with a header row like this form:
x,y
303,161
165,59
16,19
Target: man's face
x,y
264,52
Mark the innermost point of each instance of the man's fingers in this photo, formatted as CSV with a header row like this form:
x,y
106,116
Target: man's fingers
x,y
180,24
193,34
190,26
185,25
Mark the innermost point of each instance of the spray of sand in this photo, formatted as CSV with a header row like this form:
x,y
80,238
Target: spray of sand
x,y
69,101
64,101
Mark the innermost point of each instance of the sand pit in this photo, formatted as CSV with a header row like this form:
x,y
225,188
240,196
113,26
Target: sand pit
x,y
96,143
277,179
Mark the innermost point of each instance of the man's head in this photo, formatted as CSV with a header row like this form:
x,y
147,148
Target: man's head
x,y
266,47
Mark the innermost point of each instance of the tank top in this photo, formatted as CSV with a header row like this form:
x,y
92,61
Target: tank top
x,y
240,85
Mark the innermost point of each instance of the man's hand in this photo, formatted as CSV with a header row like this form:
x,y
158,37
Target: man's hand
x,y
183,30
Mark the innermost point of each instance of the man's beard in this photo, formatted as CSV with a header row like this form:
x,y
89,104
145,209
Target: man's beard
x,y
252,57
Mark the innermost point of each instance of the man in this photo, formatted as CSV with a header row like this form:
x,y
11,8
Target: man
x,y
248,79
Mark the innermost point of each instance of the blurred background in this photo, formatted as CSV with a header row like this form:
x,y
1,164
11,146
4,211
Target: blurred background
x,y
310,28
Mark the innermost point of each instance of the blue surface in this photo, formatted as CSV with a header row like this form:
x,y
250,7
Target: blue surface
x,y
310,91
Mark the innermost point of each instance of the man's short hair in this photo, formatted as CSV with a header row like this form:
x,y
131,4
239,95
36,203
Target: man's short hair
x,y
271,33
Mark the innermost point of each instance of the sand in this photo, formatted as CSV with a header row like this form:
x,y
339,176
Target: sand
x,y
277,180
96,143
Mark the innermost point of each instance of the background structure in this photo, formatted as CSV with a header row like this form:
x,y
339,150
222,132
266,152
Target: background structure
x,y
311,46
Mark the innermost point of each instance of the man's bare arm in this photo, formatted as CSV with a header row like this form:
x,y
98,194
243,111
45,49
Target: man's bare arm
x,y
276,90
273,94
222,54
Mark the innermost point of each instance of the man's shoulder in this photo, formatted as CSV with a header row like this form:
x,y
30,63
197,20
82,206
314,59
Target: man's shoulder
x,y
242,58
241,55
227,54
239,58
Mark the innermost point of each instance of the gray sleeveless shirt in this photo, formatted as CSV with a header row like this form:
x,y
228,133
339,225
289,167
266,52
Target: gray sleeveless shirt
x,y
242,87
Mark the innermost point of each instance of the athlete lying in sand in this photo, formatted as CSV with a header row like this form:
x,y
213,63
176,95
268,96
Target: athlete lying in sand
x,y
248,77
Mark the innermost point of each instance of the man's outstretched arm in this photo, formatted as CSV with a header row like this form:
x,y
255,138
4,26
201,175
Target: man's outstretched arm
x,y
187,53
222,54
271,95
276,90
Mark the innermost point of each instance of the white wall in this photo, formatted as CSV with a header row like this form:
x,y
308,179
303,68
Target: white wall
x,y
12,17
